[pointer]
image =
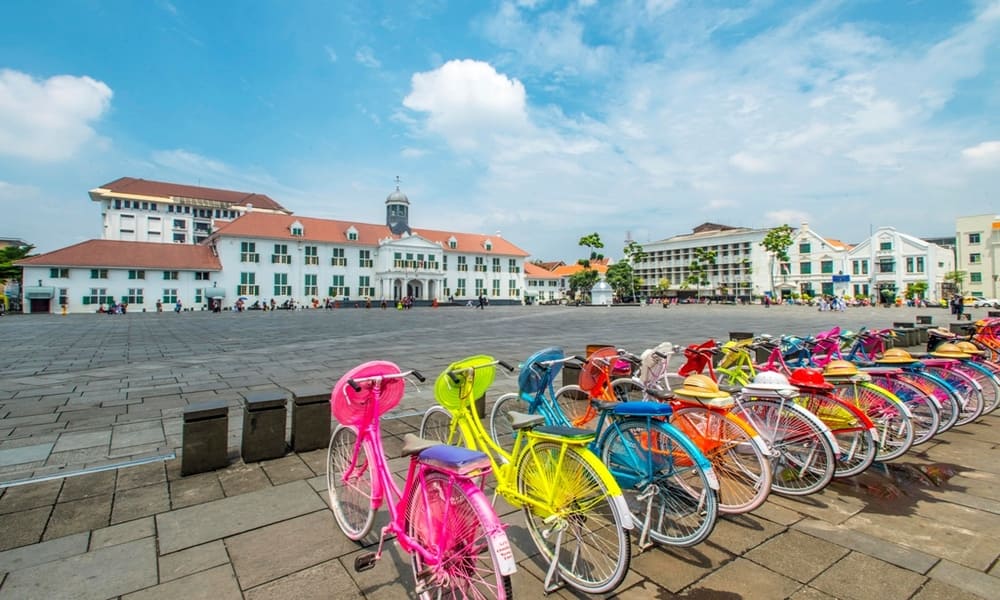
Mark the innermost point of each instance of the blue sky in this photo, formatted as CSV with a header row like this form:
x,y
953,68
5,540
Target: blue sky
x,y
544,121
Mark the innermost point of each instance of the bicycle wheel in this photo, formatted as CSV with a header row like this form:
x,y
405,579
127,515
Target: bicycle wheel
x,y
595,549
500,430
892,422
946,397
436,426
739,459
988,386
802,460
349,486
661,480
924,411
855,449
970,396
575,406
446,518
626,389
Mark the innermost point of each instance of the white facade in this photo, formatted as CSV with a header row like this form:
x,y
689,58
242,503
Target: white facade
x,y
977,249
889,261
816,266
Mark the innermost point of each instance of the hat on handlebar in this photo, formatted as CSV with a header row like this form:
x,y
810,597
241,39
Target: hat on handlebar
x,y
896,356
949,350
700,386
840,368
969,348
809,378
769,380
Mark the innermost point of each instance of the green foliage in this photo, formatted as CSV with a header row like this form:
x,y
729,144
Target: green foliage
x,y
593,241
698,270
777,242
916,290
620,277
956,277
8,256
582,281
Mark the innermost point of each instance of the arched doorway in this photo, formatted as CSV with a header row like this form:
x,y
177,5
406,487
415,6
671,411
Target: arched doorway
x,y
415,288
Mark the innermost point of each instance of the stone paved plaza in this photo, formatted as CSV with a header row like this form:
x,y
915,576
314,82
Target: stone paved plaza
x,y
84,395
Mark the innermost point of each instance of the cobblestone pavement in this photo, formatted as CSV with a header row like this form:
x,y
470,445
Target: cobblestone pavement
x,y
85,395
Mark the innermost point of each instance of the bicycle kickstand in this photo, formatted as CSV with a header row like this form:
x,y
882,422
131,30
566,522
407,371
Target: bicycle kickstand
x,y
650,492
552,580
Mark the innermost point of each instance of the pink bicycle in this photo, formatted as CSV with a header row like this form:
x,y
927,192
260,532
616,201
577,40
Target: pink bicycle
x,y
457,545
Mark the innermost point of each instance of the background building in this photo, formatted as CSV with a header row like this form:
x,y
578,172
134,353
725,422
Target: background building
x,y
889,261
977,244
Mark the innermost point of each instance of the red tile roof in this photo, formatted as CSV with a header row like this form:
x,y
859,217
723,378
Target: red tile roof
x,y
275,226
538,272
135,255
161,189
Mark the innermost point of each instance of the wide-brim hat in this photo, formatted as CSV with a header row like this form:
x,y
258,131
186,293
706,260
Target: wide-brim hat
x,y
951,354
969,348
769,387
896,360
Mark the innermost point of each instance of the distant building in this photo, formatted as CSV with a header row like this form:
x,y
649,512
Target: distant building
x,y
817,266
7,242
889,261
977,250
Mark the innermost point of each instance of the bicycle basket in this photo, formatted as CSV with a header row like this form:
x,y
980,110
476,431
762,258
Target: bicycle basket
x,y
597,370
349,406
471,384
535,378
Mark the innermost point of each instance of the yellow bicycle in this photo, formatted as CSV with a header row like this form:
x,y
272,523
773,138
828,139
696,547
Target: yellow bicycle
x,y
575,512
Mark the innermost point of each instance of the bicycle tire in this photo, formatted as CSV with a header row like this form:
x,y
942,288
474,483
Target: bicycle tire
x,y
989,385
500,428
626,389
574,403
851,428
969,394
350,501
436,426
889,413
684,508
946,397
924,411
740,460
468,568
595,538
802,460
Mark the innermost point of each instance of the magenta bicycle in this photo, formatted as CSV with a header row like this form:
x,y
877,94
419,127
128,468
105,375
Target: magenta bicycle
x,y
457,545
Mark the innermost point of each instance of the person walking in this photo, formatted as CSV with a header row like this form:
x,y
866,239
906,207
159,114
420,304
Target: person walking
x,y
482,301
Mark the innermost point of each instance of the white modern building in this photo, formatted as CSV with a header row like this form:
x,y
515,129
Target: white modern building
x,y
977,250
272,255
817,266
888,262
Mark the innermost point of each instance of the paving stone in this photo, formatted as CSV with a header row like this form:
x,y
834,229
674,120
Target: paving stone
x,y
141,475
902,556
31,495
314,583
140,502
677,568
966,579
747,579
286,469
861,577
277,550
76,440
828,505
88,485
796,555
241,478
98,575
390,578
136,434
43,552
24,454
217,583
938,590
185,562
219,519
808,593
122,533
777,514
29,420
195,489
738,533
87,455
315,460
78,516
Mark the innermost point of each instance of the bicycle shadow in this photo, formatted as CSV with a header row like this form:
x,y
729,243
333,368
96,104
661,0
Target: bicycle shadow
x,y
895,488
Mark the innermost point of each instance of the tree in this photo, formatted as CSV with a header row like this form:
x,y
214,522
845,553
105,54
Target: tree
x,y
957,278
635,254
8,256
620,277
582,281
776,242
592,241
704,259
916,290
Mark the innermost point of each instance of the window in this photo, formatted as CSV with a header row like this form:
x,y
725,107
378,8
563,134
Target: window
x,y
974,238
98,273
827,288
975,277
920,264
281,255
248,252
805,268
352,234
171,275
59,273
480,264
975,258
199,295
512,290
98,296
248,285
201,275
496,265
118,203
134,296
460,288
365,286
784,268
63,296
170,296
826,266
452,243
885,246
312,255
311,288
488,245
886,266
444,262
180,224
496,288
480,290
365,258
462,266
805,248
337,287
297,231
512,266
338,260
281,287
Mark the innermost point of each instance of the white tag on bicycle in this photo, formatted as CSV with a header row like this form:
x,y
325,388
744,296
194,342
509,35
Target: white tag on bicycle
x,y
504,555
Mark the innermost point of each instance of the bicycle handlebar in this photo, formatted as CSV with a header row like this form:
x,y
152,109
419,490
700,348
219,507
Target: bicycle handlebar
x,y
454,378
355,383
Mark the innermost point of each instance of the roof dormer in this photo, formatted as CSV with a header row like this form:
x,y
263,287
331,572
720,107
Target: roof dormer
x,y
452,243
297,229
352,233
488,244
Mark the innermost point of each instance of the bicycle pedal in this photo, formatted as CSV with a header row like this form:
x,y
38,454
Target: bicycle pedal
x,y
364,562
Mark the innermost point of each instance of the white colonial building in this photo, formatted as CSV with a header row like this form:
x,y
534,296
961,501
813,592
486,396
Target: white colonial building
x,y
977,246
816,266
272,255
889,261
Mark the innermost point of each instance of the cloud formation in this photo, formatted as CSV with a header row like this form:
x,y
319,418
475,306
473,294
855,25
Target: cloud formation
x,y
50,119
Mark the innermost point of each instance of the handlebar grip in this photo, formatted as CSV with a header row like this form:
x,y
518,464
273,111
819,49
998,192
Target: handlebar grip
x,y
452,376
419,376
354,385
580,358
505,365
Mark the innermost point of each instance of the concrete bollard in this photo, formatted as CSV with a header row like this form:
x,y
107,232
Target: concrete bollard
x,y
310,418
204,443
264,426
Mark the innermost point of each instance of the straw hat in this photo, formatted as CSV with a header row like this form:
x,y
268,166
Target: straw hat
x,y
949,350
700,386
896,356
840,368
969,348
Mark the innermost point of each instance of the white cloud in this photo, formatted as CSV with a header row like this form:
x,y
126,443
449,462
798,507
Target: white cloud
x,y
366,56
188,162
331,54
49,120
750,163
985,154
413,152
468,103
789,216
